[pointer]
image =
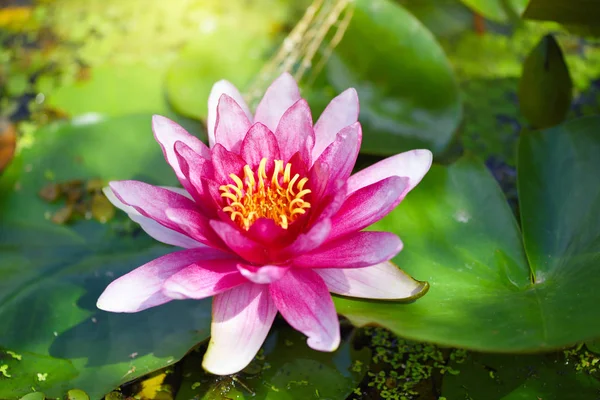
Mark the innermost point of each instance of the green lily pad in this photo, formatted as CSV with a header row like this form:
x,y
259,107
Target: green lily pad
x,y
113,90
593,346
284,369
497,10
21,371
445,19
51,275
409,97
34,396
461,237
509,377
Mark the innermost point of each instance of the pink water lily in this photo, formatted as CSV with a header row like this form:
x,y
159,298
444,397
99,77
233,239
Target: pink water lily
x,y
270,219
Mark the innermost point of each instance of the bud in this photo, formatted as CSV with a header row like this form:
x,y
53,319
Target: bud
x,y
545,88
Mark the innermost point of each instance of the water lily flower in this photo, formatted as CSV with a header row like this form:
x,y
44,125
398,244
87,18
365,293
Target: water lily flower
x,y
270,219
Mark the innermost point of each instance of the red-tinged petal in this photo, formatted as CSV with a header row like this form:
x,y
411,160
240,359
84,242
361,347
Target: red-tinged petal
x,y
295,133
304,301
260,143
267,232
280,96
341,112
327,196
319,180
355,250
167,133
151,201
141,288
231,125
383,281
240,244
218,89
199,173
263,274
307,241
412,164
242,318
203,279
151,227
342,152
226,162
195,225
368,205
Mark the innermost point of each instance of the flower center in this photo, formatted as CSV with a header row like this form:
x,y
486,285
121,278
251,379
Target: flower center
x,y
254,196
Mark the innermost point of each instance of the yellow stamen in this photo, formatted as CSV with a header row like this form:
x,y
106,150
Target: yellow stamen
x,y
256,196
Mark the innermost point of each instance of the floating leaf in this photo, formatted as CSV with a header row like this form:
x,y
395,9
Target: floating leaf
x,y
408,94
488,290
76,394
24,370
51,276
34,396
113,90
509,377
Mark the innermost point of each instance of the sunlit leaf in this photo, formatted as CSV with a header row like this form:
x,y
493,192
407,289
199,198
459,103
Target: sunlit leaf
x,y
51,276
113,90
488,290
408,94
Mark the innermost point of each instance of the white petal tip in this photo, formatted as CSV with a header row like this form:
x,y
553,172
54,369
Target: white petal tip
x,y
320,345
222,366
105,304
424,154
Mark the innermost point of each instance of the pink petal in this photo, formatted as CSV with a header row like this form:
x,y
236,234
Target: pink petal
x,y
260,143
341,112
307,241
368,205
280,96
304,301
203,279
151,201
381,281
226,163
412,164
218,89
263,274
151,227
266,231
295,132
199,172
327,196
355,250
141,288
231,125
342,152
241,321
167,133
196,226
239,243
